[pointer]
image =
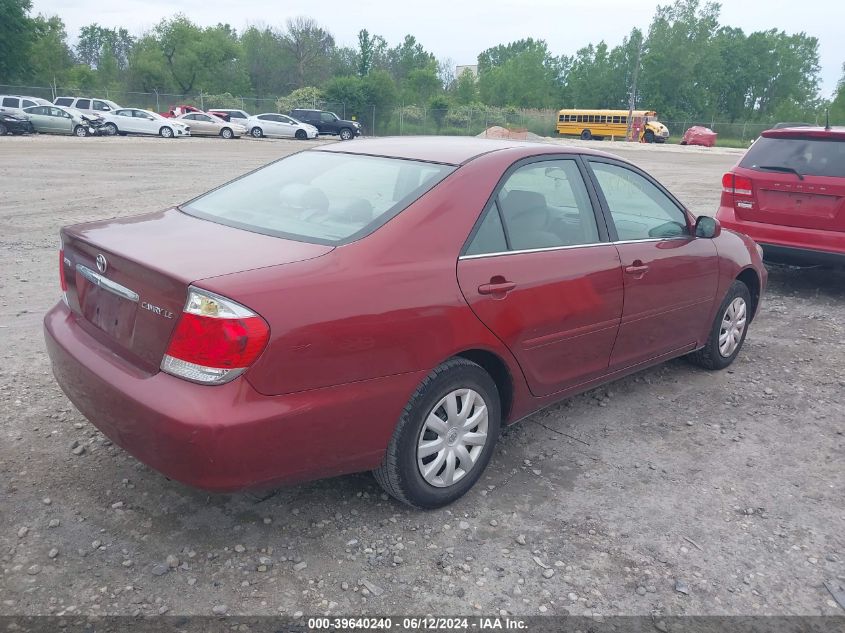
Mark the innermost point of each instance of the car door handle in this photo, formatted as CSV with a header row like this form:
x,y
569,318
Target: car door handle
x,y
637,268
495,288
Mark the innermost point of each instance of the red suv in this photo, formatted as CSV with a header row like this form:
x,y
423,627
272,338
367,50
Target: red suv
x,y
788,194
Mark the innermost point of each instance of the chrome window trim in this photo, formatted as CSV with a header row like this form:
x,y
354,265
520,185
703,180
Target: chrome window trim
x,y
573,246
107,284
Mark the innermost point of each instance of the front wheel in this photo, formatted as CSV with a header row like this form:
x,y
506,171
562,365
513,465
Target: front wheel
x,y
648,136
301,135
727,334
166,132
445,436
256,132
80,131
226,133
111,129
346,134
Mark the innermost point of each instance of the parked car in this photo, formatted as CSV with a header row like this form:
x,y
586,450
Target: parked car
x,y
14,124
386,307
328,123
52,119
15,104
272,124
178,110
87,104
235,116
788,194
204,124
135,121
699,135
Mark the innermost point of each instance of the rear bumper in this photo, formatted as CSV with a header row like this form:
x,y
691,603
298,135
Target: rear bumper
x,y
225,437
789,244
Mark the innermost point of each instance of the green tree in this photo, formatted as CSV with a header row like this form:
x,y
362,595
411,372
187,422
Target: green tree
x,y
17,31
420,85
381,95
96,41
466,89
439,107
837,106
348,91
266,61
521,74
371,51
310,47
50,55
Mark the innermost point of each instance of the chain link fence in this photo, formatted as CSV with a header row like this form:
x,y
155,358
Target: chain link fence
x,y
402,120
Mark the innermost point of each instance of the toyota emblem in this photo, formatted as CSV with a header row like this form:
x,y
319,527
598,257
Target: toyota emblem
x,y
102,263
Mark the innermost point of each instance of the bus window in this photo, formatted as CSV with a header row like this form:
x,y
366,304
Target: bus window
x,y
561,118
603,119
616,119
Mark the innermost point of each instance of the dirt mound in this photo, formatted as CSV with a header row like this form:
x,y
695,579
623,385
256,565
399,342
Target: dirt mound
x,y
517,134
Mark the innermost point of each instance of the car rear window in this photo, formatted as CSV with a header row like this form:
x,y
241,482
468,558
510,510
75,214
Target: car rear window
x,y
320,197
811,157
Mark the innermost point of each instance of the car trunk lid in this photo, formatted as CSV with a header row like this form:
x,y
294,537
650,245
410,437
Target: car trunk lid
x,y
127,279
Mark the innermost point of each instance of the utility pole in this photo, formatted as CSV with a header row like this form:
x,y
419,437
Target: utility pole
x,y
633,96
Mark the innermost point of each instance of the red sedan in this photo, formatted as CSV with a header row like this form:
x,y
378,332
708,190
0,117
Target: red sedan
x,y
386,307
788,193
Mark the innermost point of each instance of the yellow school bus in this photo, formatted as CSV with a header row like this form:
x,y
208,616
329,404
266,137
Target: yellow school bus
x,y
600,124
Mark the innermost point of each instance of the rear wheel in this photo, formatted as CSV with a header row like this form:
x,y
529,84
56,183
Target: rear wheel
x,y
586,135
727,334
346,134
301,135
3,130
256,132
226,133
445,436
166,132
80,130
111,129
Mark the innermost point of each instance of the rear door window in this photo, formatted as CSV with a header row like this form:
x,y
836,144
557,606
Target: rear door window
x,y
83,104
811,157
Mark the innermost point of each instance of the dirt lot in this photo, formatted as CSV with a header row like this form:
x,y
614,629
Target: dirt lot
x,y
674,491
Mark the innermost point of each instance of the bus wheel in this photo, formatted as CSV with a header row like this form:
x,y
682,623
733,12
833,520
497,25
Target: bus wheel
x,y
585,135
649,136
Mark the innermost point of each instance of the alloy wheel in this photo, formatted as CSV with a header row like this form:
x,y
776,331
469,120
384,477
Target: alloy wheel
x,y
452,438
733,326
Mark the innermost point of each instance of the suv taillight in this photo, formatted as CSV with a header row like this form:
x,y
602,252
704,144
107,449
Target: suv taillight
x,y
215,340
737,185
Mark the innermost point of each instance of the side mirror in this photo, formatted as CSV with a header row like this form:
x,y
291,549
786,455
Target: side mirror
x,y
707,227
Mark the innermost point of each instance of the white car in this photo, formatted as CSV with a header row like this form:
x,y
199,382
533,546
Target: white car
x,y
87,104
272,124
135,121
15,104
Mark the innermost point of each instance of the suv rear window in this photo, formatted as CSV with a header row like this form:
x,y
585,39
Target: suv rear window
x,y
810,157
320,197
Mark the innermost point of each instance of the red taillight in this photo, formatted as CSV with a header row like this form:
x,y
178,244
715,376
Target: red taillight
x,y
62,279
215,339
737,185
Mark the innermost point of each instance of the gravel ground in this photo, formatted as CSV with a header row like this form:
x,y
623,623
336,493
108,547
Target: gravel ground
x,y
674,491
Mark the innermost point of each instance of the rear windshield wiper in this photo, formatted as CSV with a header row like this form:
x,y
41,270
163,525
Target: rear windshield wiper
x,y
786,170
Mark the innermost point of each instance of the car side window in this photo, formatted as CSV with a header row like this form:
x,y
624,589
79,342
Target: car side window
x,y
639,209
99,105
10,102
326,117
202,117
26,103
543,204
83,104
490,236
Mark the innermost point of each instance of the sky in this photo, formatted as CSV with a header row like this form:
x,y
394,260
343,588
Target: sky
x,y
460,30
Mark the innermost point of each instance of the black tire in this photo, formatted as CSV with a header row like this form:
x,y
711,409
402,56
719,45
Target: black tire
x,y
649,136
256,132
165,132
111,129
710,356
80,131
346,134
3,130
399,473
301,135
586,135
227,133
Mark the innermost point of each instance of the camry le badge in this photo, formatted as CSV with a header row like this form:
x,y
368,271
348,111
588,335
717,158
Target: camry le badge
x,y
102,263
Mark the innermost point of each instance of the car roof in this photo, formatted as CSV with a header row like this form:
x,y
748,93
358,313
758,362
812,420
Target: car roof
x,y
451,150
835,133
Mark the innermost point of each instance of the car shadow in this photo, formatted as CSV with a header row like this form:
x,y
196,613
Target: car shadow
x,y
807,281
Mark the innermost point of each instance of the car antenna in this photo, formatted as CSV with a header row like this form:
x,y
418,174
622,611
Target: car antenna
x,y
827,120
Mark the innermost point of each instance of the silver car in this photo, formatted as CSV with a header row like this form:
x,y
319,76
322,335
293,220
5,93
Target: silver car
x,y
51,119
273,124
